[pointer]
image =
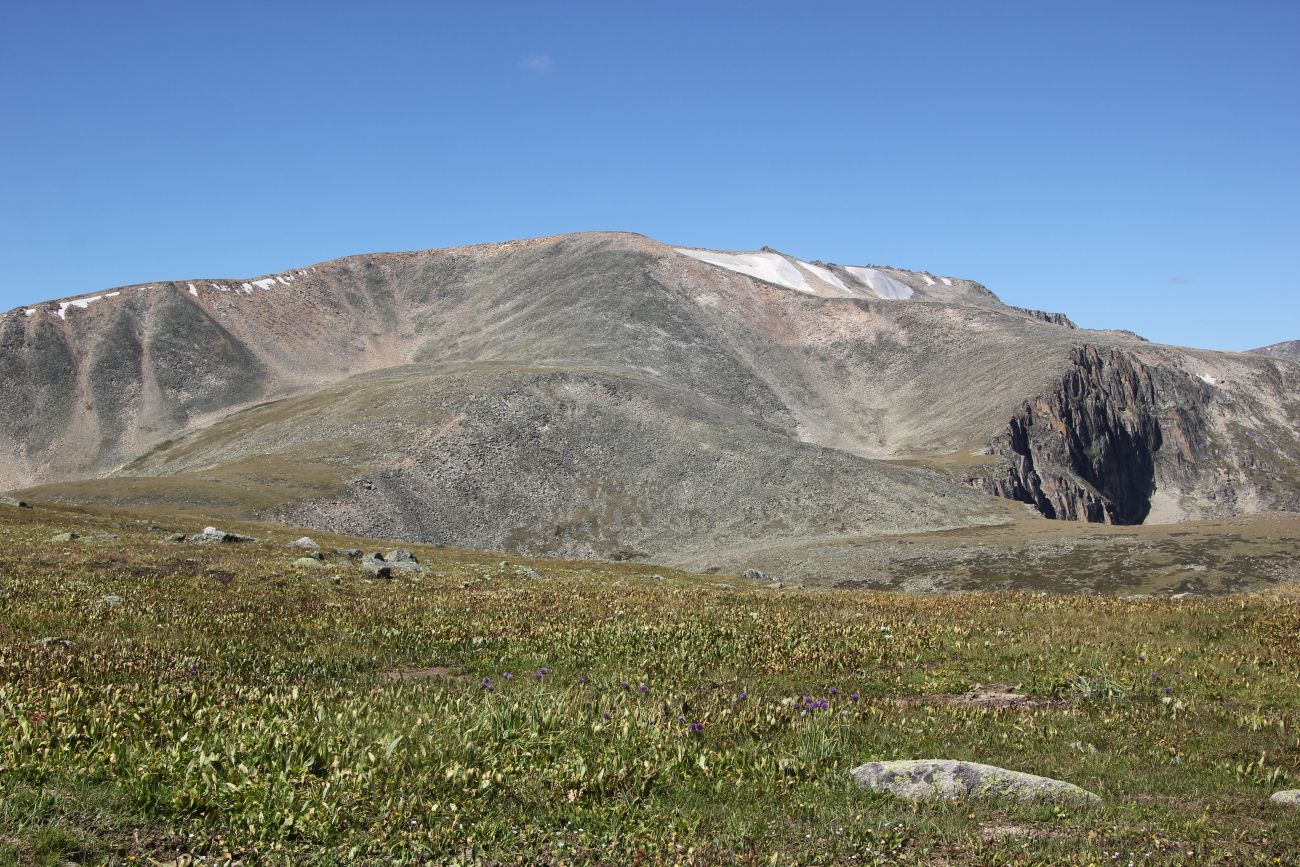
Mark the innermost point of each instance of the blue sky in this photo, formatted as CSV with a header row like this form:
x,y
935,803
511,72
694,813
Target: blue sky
x,y
1135,165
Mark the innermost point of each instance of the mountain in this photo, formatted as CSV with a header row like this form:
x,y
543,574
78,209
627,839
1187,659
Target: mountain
x,y
606,395
1288,349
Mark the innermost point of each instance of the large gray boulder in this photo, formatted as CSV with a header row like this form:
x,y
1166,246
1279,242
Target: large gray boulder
x,y
1287,797
213,536
306,543
17,504
400,560
376,566
948,779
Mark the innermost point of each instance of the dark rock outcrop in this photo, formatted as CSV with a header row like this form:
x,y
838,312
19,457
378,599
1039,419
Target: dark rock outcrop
x,y
1088,450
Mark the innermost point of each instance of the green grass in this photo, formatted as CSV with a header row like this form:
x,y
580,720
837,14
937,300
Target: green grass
x,y
234,707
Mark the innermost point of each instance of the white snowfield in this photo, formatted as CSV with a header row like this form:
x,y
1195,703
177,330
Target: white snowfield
x,y
772,267
81,303
775,268
825,275
1208,380
880,283
929,281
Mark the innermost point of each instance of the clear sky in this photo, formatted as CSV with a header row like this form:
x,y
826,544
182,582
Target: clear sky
x,y
1132,164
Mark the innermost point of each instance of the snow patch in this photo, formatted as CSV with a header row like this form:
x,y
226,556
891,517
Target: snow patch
x,y
221,288
81,303
1208,380
929,281
947,281
825,275
264,284
29,311
194,291
772,267
880,283
246,289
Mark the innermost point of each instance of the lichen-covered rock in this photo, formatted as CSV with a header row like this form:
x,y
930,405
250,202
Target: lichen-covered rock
x,y
1287,797
310,563
948,779
17,504
306,543
756,575
70,536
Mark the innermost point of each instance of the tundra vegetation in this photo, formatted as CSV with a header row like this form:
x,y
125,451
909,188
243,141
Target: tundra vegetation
x,y
162,701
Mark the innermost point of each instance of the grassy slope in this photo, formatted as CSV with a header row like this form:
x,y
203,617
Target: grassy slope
x,y
233,703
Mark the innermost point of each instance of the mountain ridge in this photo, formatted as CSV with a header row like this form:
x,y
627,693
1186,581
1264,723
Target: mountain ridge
x,y
513,390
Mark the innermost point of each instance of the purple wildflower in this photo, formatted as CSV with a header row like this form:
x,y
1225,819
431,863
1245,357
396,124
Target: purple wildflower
x,y
606,715
854,697
624,685
505,675
697,727
834,691
644,688
582,681
743,696
681,718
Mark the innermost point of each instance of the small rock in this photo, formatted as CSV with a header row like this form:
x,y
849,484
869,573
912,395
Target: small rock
x,y
528,572
947,779
1287,797
352,553
112,601
305,543
55,641
176,537
655,577
310,563
99,537
757,575
66,537
17,504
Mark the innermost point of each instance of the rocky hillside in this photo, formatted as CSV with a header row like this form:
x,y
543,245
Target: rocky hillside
x,y
1288,349
607,395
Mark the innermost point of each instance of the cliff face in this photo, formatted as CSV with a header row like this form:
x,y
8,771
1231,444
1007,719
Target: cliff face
x,y
1091,449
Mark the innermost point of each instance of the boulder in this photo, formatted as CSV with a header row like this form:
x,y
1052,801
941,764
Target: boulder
x,y
305,543
375,565
352,553
17,504
757,575
70,536
310,563
948,779
176,537
112,601
213,536
1287,797
403,561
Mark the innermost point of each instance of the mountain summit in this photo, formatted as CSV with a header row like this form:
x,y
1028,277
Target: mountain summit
x,y
606,395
